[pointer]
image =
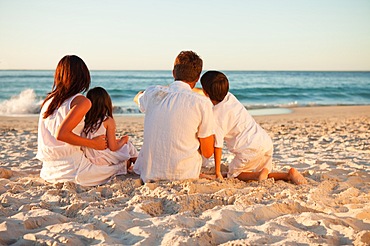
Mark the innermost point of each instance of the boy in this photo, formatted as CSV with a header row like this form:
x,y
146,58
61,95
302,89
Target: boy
x,y
246,139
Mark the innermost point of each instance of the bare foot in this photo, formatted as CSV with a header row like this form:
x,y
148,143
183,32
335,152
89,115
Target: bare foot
x,y
5,173
130,164
130,169
263,174
296,177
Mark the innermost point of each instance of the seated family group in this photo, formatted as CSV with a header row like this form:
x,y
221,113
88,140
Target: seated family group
x,y
183,126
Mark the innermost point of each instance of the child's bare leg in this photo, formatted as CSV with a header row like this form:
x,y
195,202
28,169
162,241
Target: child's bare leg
x,y
296,177
293,176
258,176
279,176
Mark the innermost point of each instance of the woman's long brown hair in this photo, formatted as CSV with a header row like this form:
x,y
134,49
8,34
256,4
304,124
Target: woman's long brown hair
x,y
101,107
71,77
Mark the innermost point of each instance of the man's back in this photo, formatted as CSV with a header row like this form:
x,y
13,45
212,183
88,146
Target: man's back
x,y
175,117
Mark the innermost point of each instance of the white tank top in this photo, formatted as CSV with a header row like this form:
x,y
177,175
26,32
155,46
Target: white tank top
x,y
60,159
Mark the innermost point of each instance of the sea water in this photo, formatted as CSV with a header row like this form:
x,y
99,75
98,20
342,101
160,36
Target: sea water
x,y
262,92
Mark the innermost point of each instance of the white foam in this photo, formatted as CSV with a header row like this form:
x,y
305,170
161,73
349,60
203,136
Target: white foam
x,y
24,103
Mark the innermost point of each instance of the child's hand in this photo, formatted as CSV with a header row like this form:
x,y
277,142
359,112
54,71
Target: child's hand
x,y
136,98
211,176
124,139
219,176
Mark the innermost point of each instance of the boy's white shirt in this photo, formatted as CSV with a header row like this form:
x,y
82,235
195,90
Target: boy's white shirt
x,y
234,125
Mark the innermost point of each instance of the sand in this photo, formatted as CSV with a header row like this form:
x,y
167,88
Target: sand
x,y
329,145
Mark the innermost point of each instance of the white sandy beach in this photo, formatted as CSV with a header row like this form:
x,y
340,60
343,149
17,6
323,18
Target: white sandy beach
x,y
329,145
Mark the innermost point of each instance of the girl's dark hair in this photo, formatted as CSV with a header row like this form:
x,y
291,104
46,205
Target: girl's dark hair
x,y
71,77
188,66
101,107
215,84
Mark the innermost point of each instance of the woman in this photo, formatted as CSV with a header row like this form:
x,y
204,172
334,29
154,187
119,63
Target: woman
x,y
60,125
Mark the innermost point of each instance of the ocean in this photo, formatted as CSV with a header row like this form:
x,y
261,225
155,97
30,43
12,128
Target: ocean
x,y
262,92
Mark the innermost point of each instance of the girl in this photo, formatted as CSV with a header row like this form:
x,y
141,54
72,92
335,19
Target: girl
x,y
60,126
99,121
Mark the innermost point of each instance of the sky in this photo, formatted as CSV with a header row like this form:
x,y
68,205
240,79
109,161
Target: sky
x,y
148,34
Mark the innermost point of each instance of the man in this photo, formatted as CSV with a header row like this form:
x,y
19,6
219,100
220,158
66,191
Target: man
x,y
178,125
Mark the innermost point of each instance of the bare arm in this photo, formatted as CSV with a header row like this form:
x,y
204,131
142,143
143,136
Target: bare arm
x,y
79,107
218,154
113,143
207,146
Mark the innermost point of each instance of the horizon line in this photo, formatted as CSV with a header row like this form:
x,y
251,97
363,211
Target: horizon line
x,y
231,70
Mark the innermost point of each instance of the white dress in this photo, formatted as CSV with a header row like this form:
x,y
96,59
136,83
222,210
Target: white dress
x,y
62,162
245,138
107,157
175,119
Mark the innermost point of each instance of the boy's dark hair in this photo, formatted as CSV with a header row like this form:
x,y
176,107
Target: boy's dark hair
x,y
101,107
215,84
188,66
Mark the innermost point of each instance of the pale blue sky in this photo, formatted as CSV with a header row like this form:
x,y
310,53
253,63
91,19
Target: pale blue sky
x,y
228,35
